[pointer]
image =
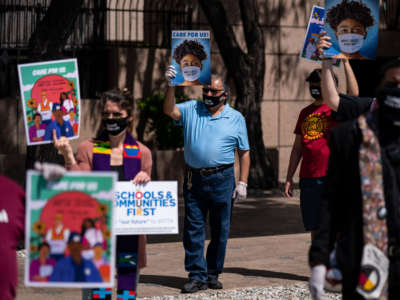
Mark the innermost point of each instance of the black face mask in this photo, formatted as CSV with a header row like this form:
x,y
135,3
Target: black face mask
x,y
115,126
389,104
315,92
211,101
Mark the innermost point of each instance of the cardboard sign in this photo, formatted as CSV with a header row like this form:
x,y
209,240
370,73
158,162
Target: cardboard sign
x,y
353,27
148,209
69,237
50,99
191,57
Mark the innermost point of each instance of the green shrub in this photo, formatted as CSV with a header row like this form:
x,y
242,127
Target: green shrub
x,y
168,135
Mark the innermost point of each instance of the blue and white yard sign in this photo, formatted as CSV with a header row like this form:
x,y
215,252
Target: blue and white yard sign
x,y
146,209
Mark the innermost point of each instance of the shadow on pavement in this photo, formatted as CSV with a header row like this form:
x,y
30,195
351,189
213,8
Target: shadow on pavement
x,y
178,282
265,273
168,281
262,214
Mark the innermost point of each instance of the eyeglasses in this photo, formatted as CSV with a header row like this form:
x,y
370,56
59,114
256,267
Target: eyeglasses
x,y
213,91
112,115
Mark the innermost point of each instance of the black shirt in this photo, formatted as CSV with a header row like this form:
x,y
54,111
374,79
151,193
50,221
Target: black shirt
x,y
351,107
341,208
120,170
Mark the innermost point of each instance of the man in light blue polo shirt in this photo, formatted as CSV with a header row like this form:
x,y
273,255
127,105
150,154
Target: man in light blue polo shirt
x,y
212,132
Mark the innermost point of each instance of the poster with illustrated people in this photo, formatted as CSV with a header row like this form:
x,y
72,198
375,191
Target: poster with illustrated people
x,y
191,57
50,100
69,237
353,26
148,209
313,33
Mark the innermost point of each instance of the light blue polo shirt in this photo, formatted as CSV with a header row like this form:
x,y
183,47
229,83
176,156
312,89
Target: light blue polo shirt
x,y
211,141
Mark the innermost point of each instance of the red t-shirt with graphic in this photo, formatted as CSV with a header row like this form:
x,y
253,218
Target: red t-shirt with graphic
x,y
314,124
12,224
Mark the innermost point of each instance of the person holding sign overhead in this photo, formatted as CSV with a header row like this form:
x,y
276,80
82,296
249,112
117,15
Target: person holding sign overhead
x,y
115,149
212,132
361,201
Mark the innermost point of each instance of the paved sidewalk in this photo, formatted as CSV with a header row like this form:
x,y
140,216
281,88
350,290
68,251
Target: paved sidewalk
x,y
251,262
268,247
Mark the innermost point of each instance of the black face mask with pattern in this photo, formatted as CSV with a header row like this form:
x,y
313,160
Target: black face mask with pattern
x,y
315,92
389,104
115,126
211,101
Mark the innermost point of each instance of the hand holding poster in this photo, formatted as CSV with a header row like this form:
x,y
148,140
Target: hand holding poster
x,y
191,57
50,100
69,236
149,209
353,26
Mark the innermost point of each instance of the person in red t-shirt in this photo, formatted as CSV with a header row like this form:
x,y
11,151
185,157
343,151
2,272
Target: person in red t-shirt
x,y
312,146
12,226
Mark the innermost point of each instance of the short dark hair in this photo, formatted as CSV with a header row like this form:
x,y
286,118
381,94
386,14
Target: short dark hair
x,y
83,227
125,101
37,114
315,77
44,244
189,47
350,10
392,64
123,98
61,99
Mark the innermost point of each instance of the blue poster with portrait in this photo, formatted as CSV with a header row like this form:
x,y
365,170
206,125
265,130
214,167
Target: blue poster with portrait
x,y
190,51
353,26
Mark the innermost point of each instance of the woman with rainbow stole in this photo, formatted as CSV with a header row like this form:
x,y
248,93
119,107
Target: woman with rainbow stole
x,y
115,149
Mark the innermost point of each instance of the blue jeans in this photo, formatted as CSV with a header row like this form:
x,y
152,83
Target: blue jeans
x,y
208,195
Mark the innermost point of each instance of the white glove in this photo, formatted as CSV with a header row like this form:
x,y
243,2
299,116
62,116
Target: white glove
x,y
50,172
170,74
316,282
240,192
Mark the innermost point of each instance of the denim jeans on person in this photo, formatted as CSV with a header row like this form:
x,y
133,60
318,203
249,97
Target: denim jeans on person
x,y
207,196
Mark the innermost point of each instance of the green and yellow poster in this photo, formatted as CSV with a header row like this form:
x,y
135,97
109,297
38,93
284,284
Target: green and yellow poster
x,y
69,236
50,100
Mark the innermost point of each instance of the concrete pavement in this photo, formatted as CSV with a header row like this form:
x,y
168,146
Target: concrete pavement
x,y
267,247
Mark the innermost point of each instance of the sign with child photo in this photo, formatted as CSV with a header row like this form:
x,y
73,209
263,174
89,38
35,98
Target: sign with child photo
x,y
191,57
353,27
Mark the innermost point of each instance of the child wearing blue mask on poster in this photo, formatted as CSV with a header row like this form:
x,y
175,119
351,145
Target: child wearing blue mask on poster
x,y
350,20
189,56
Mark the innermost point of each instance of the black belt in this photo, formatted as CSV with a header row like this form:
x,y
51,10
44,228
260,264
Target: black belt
x,y
209,171
394,251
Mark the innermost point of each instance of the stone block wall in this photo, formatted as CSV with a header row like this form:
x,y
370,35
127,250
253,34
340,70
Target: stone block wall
x,y
142,70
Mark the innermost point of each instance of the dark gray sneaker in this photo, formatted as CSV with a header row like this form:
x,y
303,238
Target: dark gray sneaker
x,y
193,285
214,284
